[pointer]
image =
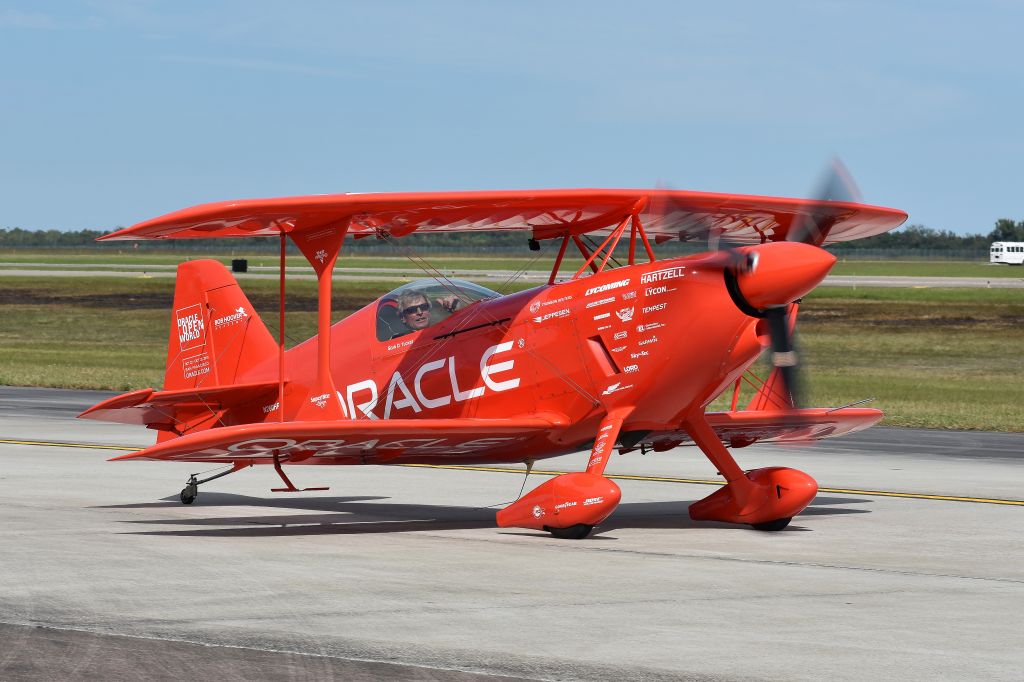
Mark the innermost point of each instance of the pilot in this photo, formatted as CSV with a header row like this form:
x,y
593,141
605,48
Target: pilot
x,y
414,309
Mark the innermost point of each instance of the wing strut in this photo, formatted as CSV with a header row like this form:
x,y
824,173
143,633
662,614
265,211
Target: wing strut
x,y
321,248
280,331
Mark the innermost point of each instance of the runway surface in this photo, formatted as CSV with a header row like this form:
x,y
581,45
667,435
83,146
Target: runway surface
x,y
397,274
400,573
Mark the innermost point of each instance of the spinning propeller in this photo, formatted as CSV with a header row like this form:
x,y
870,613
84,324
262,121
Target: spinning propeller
x,y
766,288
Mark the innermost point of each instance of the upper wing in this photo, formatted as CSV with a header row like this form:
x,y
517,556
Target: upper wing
x,y
665,214
352,441
742,428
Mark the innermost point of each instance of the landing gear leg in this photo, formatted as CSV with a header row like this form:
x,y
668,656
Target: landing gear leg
x,y
191,490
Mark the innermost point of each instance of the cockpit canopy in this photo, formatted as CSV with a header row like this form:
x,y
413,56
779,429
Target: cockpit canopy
x,y
402,311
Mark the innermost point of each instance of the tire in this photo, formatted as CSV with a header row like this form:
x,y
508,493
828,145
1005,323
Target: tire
x,y
187,497
777,524
577,532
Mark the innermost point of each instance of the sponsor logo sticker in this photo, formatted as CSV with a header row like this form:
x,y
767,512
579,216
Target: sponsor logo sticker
x,y
661,275
191,330
625,314
607,287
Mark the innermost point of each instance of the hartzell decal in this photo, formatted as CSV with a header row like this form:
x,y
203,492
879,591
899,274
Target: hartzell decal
x,y
661,275
191,330
398,396
607,287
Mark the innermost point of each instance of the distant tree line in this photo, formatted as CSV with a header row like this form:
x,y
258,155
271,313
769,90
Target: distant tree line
x,y
905,238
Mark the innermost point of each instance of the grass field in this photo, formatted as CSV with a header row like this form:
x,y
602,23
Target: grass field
x,y
941,358
130,260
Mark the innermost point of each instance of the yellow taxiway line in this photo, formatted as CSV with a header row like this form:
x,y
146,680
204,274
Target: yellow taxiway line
x,y
615,477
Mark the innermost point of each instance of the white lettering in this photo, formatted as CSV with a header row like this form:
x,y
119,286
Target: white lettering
x,y
655,308
660,275
461,396
397,382
364,408
418,387
607,287
602,301
487,370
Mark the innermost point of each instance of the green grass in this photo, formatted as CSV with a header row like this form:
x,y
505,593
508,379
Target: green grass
x,y
865,268
128,258
940,358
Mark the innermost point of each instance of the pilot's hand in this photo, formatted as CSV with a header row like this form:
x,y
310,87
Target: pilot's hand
x,y
449,303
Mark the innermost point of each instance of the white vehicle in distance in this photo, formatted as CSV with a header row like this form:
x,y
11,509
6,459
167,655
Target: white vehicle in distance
x,y
1011,253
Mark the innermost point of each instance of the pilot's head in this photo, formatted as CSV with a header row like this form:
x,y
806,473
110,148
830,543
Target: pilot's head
x,y
414,310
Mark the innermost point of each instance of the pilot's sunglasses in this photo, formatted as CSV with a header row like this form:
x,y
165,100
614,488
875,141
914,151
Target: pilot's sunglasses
x,y
421,308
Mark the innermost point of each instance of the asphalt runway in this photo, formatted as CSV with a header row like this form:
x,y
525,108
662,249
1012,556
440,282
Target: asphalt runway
x,y
907,565
403,274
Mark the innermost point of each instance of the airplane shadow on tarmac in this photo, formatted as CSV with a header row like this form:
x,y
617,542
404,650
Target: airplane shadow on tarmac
x,y
366,515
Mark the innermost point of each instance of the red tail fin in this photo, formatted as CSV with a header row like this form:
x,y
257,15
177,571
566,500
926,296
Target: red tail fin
x,y
216,335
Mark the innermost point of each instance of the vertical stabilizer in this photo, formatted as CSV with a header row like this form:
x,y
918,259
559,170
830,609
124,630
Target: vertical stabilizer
x,y
216,335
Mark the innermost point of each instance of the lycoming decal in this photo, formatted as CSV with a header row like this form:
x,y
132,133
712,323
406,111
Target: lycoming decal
x,y
191,330
659,275
607,287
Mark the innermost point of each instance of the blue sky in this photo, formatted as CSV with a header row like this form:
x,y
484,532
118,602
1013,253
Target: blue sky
x,y
114,112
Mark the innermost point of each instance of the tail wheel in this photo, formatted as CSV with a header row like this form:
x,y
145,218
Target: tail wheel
x,y
777,524
577,532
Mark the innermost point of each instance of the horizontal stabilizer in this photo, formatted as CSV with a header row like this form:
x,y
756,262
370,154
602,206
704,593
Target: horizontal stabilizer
x,y
147,407
353,441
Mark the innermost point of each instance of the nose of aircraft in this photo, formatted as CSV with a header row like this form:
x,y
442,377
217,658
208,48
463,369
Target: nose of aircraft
x,y
785,271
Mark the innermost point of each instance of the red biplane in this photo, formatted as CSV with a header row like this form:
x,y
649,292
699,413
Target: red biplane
x,y
608,357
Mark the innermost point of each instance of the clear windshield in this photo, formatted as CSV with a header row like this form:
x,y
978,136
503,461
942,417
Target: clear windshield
x,y
423,303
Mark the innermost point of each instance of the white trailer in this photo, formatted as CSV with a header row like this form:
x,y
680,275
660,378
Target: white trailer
x,y
1011,253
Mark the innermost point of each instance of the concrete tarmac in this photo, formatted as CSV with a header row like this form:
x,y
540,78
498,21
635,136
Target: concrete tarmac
x,y
400,573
